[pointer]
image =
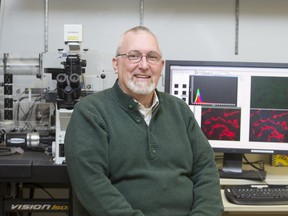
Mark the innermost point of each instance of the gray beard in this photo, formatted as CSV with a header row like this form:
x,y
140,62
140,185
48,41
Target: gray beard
x,y
141,88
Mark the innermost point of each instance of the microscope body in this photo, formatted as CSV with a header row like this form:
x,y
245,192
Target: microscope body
x,y
68,94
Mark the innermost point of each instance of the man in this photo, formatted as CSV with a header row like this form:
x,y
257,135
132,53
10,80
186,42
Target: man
x,y
133,151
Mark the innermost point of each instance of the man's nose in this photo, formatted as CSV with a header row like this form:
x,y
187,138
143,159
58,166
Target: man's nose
x,y
143,63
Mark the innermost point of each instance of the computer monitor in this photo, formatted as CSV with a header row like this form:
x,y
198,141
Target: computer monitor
x,y
242,108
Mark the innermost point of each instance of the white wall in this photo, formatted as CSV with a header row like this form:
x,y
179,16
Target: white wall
x,y
187,29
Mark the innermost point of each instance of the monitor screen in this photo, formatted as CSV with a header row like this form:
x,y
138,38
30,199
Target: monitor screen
x,y
240,107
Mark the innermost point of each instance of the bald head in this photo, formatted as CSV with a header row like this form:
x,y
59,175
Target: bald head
x,y
137,29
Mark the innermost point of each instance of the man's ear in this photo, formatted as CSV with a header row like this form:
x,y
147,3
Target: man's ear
x,y
115,65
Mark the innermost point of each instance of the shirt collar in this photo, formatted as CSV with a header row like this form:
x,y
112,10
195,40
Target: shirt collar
x,y
153,106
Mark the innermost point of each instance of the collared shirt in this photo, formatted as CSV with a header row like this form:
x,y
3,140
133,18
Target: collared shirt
x,y
147,112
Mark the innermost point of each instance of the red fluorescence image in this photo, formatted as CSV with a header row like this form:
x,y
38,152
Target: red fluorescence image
x,y
221,123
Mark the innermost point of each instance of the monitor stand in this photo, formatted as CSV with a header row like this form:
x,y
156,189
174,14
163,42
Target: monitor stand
x,y
232,168
232,162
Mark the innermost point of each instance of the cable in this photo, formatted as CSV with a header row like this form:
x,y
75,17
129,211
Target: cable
x,y
2,15
6,151
260,163
42,188
261,167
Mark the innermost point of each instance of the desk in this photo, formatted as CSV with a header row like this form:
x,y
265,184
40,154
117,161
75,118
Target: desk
x,y
41,170
275,175
35,167
27,171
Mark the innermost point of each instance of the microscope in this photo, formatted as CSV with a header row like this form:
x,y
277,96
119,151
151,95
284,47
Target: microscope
x,y
68,92
68,87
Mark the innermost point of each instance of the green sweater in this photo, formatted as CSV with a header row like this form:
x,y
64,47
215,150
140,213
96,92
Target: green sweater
x,y
120,166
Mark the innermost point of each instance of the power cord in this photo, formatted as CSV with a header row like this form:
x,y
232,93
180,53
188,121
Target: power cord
x,y
259,165
6,151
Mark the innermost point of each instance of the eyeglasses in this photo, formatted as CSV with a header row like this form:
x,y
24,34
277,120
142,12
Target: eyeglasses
x,y
135,56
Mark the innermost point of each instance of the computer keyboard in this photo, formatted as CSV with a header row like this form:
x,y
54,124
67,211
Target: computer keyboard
x,y
257,194
245,174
